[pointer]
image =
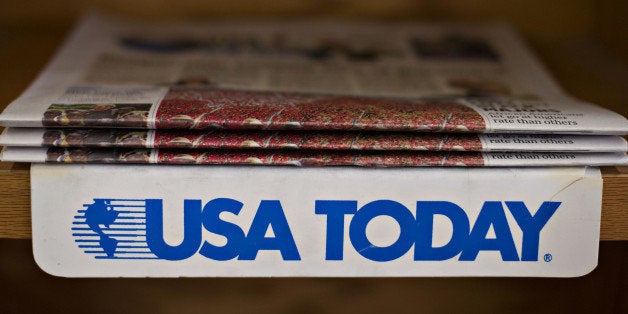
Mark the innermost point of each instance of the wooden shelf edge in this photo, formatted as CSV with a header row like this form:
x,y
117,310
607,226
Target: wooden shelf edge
x,y
15,201
15,215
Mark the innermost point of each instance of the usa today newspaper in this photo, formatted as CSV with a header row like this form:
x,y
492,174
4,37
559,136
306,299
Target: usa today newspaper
x,y
304,75
233,221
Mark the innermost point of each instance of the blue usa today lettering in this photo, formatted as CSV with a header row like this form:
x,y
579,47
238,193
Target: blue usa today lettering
x,y
416,230
466,240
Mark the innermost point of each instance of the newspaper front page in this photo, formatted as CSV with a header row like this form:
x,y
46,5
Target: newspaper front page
x,y
302,75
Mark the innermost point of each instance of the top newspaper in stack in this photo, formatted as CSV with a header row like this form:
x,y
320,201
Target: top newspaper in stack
x,y
310,76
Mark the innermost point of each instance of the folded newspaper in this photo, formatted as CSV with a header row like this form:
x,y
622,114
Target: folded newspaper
x,y
320,88
300,75
322,85
308,157
209,108
179,139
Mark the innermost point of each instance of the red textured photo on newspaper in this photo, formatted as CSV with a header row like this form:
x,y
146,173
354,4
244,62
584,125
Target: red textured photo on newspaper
x,y
218,139
227,109
315,140
264,157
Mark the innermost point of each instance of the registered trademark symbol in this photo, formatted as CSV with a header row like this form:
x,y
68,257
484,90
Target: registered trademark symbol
x,y
547,257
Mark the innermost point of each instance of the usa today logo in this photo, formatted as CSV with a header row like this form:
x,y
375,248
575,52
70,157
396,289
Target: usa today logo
x,y
113,229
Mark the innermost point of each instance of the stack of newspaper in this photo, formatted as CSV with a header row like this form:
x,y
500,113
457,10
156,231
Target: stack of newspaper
x,y
303,93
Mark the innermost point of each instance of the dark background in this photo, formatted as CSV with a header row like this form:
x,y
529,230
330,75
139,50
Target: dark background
x,y
26,289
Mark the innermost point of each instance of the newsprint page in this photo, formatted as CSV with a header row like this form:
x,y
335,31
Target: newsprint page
x,y
487,159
